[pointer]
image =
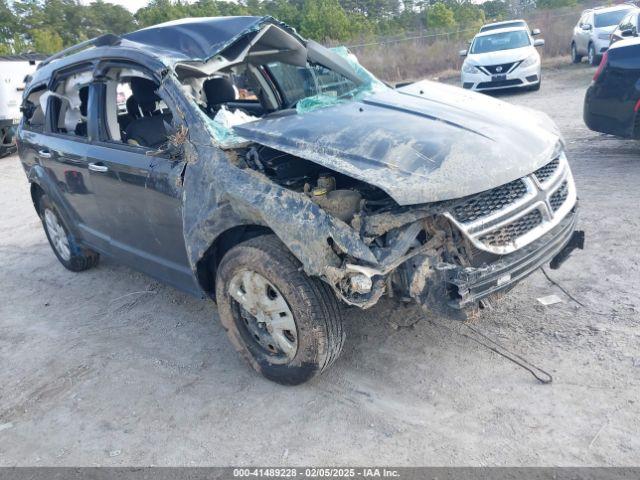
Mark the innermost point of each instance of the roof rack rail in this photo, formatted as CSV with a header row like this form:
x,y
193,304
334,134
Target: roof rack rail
x,y
108,39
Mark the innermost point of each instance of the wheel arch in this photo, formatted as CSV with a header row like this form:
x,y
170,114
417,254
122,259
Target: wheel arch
x,y
207,266
36,192
41,184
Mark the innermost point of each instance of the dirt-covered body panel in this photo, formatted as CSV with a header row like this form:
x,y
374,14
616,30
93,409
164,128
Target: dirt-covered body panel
x,y
422,144
417,193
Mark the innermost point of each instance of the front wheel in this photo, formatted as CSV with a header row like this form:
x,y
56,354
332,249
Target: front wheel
x,y
287,325
575,58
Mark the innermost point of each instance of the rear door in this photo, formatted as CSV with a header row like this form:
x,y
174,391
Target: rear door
x,y
139,197
62,150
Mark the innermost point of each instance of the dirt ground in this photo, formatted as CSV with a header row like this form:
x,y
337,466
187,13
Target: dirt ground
x,y
109,367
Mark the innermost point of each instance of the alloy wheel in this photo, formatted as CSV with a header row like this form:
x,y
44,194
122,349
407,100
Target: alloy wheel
x,y
57,234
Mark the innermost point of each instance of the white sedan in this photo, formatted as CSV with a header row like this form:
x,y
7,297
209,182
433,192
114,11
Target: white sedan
x,y
502,58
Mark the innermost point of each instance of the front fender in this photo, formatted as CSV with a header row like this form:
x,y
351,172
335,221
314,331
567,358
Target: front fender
x,y
219,195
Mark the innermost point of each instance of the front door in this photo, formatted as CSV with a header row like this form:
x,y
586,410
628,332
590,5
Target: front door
x,y
139,195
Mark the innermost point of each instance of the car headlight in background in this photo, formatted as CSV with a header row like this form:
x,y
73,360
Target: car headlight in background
x,y
604,36
467,68
530,60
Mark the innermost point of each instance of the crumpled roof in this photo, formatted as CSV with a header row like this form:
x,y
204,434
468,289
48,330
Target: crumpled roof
x,y
198,39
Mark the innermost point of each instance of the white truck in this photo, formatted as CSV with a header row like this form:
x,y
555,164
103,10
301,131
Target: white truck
x,y
13,71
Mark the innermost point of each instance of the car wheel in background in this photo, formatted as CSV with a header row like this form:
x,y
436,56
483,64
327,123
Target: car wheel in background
x,y
287,325
575,58
72,256
594,59
536,87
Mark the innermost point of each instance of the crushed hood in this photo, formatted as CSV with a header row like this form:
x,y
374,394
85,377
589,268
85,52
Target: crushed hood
x,y
423,143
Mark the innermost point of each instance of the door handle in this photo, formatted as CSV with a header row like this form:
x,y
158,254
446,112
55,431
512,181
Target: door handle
x,y
44,153
97,167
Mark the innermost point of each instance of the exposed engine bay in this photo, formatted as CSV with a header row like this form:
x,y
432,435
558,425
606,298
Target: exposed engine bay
x,y
422,253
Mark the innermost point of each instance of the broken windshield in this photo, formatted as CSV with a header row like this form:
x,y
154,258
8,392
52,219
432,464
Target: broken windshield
x,y
315,86
296,83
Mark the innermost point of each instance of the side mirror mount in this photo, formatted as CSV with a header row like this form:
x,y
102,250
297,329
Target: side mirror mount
x,y
535,31
539,42
174,146
586,27
627,33
463,53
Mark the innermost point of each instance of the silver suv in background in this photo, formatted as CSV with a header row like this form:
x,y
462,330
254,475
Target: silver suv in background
x,y
591,35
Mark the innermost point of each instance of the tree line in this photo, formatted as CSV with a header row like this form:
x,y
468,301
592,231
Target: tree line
x,y
47,26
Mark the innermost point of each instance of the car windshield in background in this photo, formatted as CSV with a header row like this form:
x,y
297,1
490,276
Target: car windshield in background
x,y
500,41
609,18
486,28
296,83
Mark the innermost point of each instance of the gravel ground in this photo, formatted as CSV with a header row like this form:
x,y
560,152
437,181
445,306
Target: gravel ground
x,y
109,367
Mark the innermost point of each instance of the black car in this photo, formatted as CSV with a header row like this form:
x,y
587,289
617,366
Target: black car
x,y
237,161
612,100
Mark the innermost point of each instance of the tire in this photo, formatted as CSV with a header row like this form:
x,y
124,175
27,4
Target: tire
x,y
74,257
575,58
594,59
536,87
264,268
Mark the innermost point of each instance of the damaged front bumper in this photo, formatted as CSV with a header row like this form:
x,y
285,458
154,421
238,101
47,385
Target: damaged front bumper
x,y
466,286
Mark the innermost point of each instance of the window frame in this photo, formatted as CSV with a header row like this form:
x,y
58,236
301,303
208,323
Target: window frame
x,y
102,135
25,125
61,76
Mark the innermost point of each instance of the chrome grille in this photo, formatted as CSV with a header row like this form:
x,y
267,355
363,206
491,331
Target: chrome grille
x,y
545,173
513,215
507,234
490,201
497,69
559,196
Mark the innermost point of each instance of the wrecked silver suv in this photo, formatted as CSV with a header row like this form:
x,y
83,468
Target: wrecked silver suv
x,y
232,158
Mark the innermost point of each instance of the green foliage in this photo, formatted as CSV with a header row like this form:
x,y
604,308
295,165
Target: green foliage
x,y
46,41
439,15
556,3
324,20
49,25
468,16
495,10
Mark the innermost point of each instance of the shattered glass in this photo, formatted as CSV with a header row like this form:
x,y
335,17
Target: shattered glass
x,y
371,85
223,135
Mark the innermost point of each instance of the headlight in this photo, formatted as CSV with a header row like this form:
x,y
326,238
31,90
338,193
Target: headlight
x,y
530,60
604,36
466,68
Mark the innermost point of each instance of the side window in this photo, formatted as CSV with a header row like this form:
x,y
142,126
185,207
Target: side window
x,y
33,110
67,105
244,86
625,23
584,19
133,111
